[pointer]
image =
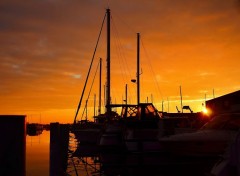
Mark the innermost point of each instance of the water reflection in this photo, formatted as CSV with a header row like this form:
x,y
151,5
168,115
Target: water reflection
x,y
105,164
37,154
117,163
81,164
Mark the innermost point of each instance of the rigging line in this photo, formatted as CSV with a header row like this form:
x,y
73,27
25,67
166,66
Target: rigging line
x,y
149,61
117,43
119,54
126,24
85,107
120,44
119,48
80,101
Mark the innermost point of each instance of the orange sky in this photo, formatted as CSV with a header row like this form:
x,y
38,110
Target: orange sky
x,y
47,46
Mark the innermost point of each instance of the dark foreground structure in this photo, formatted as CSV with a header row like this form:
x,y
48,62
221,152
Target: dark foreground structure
x,y
59,138
13,145
229,103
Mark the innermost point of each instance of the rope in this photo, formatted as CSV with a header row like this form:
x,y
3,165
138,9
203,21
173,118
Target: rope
x,y
125,71
80,101
90,90
151,68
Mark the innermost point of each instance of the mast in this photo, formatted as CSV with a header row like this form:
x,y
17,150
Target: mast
x,y
108,97
138,65
126,93
181,98
168,105
80,101
162,106
94,106
100,87
86,118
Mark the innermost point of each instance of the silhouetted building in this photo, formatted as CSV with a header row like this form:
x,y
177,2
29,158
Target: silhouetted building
x,y
224,104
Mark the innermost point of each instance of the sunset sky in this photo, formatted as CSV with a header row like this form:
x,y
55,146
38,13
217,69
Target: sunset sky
x,y
47,46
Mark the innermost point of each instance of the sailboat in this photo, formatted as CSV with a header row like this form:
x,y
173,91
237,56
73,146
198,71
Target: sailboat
x,y
136,123
111,129
87,132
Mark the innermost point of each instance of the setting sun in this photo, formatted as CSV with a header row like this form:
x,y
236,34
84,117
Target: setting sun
x,y
205,111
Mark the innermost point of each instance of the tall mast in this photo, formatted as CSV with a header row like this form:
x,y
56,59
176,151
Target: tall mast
x,y
138,67
100,87
108,97
94,105
80,101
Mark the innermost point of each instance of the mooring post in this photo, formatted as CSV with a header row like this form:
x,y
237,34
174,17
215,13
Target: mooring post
x,y
54,149
59,137
13,145
64,133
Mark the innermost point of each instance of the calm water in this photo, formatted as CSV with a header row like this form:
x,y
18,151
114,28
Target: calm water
x,y
38,157
37,154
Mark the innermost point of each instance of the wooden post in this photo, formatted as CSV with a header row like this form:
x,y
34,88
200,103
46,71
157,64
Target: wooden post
x,y
13,145
59,137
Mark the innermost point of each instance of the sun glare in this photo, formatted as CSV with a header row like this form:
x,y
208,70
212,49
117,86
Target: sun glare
x,y
205,111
